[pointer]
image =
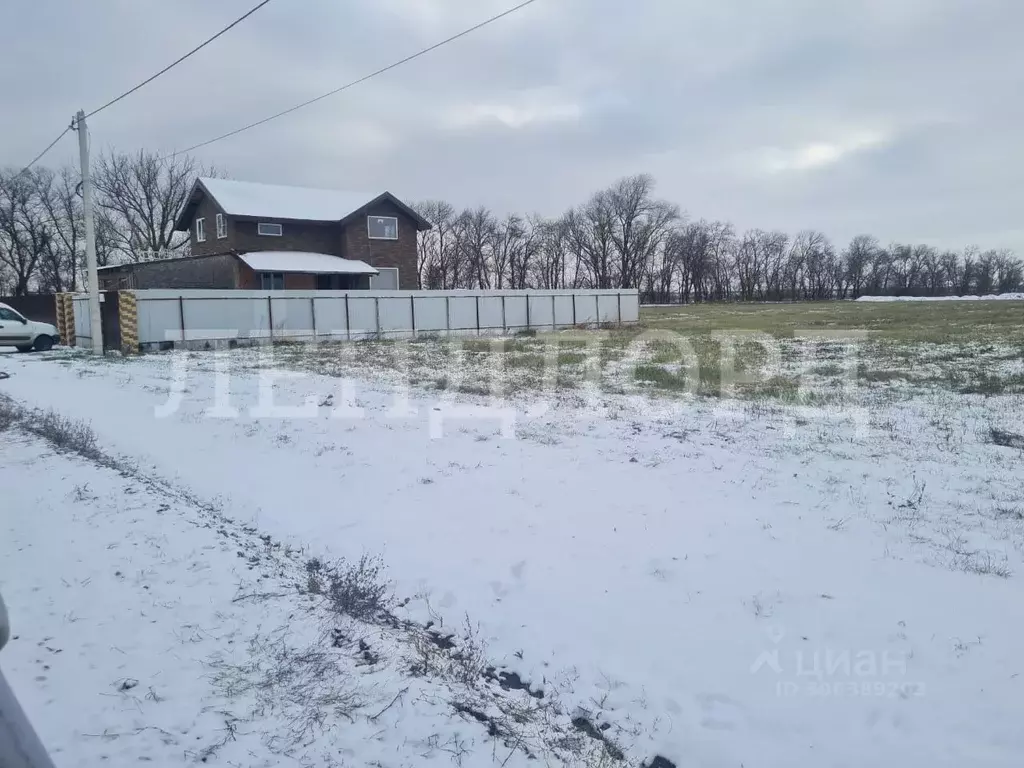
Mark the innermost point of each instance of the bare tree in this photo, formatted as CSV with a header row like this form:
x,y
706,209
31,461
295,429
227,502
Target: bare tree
x,y
478,230
435,267
551,264
640,226
24,231
859,257
143,193
64,256
590,233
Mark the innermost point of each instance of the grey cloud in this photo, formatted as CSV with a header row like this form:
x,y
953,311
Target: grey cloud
x,y
697,93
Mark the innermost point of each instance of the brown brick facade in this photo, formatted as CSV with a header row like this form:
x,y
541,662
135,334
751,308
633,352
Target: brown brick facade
x,y
250,280
207,211
347,238
400,253
214,271
311,237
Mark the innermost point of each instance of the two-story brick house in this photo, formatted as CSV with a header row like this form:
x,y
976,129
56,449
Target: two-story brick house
x,y
271,237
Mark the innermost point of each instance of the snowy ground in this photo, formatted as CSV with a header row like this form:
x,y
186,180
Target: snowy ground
x,y
987,297
721,583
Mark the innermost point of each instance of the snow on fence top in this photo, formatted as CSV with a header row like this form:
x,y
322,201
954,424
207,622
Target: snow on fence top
x,y
990,297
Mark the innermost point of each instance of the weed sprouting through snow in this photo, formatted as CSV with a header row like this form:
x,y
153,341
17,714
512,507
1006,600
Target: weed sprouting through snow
x,y
1005,438
64,434
308,686
357,590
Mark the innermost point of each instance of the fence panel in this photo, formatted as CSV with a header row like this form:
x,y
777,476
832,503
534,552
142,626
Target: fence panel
x,y
431,314
293,317
516,313
199,317
608,309
490,312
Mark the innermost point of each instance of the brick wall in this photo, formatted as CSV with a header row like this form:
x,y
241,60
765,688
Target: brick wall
x,y
208,211
293,281
312,237
248,280
297,281
400,253
218,271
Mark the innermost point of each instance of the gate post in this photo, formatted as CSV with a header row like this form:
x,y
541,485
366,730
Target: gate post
x,y
58,301
68,312
128,320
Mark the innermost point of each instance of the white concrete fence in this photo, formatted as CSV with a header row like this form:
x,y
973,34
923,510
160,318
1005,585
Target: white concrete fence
x,y
196,318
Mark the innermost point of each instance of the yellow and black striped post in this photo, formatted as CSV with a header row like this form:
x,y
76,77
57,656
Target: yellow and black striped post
x,y
128,318
58,301
66,310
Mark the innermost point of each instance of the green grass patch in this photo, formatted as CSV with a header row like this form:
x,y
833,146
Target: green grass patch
x,y
571,358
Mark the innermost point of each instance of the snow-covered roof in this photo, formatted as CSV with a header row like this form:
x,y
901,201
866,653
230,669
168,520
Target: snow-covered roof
x,y
273,201
299,261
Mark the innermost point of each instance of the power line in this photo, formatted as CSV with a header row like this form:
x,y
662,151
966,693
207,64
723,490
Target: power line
x,y
171,66
39,157
363,79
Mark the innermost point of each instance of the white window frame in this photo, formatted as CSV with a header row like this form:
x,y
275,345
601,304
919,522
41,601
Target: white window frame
x,y
265,276
371,237
222,226
200,230
260,229
386,269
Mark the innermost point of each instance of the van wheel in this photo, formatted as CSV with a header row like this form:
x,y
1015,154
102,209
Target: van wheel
x,y
24,348
43,344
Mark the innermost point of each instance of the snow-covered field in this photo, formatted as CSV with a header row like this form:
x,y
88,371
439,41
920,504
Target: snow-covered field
x,y
987,297
717,583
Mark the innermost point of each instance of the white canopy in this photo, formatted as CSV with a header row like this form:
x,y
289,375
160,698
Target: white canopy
x,y
300,261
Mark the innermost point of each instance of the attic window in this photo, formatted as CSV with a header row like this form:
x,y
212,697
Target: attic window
x,y
382,227
269,230
200,230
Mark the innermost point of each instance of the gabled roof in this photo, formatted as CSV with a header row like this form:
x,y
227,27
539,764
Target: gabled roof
x,y
272,201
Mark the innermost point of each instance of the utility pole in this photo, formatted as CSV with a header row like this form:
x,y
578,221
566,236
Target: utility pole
x,y
92,276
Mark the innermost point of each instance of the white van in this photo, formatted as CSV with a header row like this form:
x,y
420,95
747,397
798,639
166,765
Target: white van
x,y
26,335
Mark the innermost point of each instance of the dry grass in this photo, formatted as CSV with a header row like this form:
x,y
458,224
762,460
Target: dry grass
x,y
748,352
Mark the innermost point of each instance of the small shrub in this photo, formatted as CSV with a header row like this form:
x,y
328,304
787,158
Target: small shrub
x,y
358,589
65,434
1006,439
8,413
660,377
571,358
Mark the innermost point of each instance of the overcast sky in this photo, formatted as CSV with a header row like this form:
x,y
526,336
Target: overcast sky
x,y
900,118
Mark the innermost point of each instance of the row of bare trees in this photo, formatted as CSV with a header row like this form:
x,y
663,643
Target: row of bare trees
x,y
625,236
42,229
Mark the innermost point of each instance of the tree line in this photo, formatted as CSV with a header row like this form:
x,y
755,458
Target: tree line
x,y
42,227
626,237
621,237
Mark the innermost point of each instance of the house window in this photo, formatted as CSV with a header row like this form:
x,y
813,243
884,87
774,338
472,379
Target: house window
x,y
272,281
200,230
222,226
382,227
269,230
387,280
